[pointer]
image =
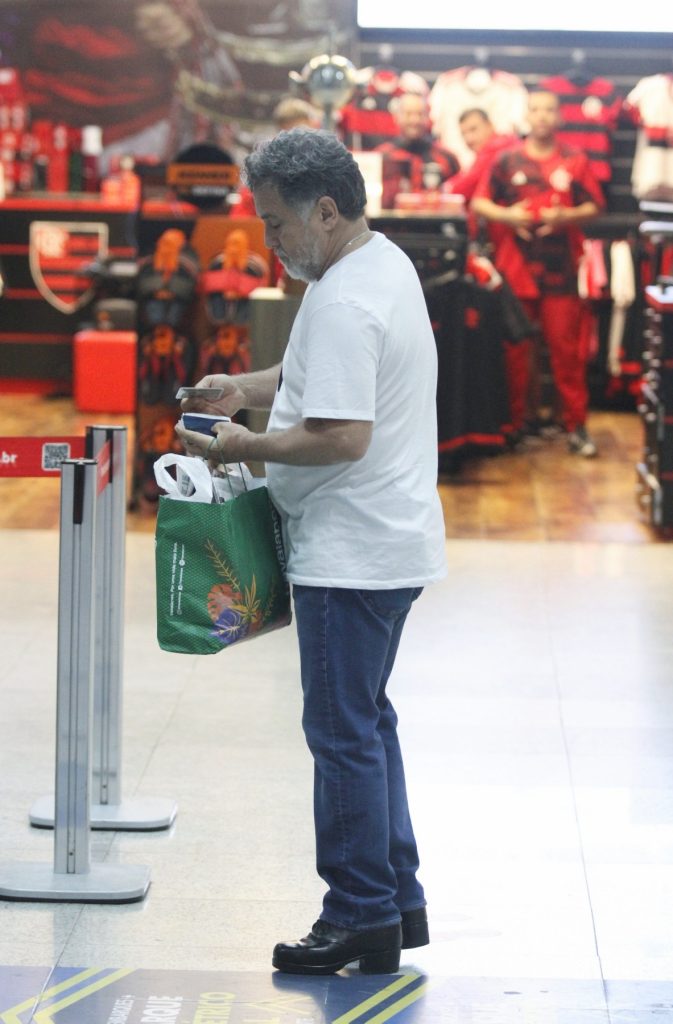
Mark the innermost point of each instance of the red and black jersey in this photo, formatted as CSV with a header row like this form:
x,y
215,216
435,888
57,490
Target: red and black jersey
x,y
472,406
366,121
590,112
544,264
414,166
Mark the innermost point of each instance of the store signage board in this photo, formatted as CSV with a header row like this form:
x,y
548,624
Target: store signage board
x,y
575,16
38,456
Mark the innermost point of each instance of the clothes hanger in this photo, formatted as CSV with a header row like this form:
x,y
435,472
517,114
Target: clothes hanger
x,y
578,73
479,76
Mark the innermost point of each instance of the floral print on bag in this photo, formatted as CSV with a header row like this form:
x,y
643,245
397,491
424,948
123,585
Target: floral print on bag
x,y
235,611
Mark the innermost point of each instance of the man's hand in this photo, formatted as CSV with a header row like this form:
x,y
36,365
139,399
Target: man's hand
x,y
231,401
520,218
558,217
232,442
228,443
553,217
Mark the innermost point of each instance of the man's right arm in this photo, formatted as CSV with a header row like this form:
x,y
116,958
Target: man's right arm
x,y
259,388
516,215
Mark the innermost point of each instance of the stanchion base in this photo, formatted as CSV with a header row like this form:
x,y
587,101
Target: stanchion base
x,y
103,883
128,816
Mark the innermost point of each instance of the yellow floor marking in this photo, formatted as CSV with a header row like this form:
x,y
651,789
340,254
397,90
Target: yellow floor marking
x,y
405,1001
46,1016
11,1016
377,998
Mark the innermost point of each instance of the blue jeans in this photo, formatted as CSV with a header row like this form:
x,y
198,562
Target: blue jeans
x,y
365,846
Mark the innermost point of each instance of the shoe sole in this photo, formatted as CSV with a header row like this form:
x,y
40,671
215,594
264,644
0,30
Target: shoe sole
x,y
385,962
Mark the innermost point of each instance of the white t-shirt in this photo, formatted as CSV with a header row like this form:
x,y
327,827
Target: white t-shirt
x,y
362,348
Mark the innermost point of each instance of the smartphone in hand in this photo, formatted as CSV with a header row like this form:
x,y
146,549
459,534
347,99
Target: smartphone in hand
x,y
202,422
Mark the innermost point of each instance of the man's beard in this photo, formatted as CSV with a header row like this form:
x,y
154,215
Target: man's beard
x,y
306,266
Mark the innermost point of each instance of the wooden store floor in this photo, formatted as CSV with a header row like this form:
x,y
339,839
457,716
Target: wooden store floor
x,y
542,493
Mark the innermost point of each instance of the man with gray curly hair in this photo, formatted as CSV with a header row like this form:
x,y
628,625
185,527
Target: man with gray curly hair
x,y
351,455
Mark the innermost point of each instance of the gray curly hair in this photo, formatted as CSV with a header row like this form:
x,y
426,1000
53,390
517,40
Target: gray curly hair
x,y
303,165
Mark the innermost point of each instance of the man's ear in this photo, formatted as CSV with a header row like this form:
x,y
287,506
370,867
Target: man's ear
x,y
329,214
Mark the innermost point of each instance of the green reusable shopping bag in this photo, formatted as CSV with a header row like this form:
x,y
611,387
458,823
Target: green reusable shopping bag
x,y
220,573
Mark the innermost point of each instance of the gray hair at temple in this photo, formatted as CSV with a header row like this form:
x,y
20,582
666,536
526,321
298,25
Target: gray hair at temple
x,y
303,165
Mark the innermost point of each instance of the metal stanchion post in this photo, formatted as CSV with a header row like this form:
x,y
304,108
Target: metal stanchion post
x,y
75,663
73,877
108,810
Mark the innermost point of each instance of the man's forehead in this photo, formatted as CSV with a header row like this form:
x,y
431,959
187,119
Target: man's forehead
x,y
543,99
268,201
270,204
411,101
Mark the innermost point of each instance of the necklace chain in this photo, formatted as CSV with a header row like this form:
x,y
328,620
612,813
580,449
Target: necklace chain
x,y
356,239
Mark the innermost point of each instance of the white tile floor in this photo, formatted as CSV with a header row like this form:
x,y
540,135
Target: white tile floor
x,y
535,694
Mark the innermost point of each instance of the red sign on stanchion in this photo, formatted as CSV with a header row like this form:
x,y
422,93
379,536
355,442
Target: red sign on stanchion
x,y
37,456
103,474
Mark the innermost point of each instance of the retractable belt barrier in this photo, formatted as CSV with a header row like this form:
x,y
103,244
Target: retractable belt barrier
x,y
90,645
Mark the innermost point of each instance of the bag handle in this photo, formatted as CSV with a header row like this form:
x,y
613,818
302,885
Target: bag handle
x,y
226,471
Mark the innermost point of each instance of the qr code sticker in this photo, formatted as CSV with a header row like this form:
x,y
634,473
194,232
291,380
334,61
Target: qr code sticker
x,y
53,455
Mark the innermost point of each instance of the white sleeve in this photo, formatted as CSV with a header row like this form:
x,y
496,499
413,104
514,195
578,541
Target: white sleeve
x,y
634,98
623,278
582,272
342,364
519,110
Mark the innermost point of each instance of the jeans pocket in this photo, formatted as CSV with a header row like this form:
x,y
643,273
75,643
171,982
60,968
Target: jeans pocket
x,y
390,604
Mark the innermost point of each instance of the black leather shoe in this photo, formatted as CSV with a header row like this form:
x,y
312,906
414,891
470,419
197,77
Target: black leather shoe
x,y
415,928
326,949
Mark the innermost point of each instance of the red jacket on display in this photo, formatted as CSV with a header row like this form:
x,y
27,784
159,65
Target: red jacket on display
x,y
465,182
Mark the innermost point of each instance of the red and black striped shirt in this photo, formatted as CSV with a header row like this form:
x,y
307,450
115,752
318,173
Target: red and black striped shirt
x,y
590,112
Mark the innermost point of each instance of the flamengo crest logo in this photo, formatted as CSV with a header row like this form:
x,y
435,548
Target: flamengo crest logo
x,y
59,252
560,179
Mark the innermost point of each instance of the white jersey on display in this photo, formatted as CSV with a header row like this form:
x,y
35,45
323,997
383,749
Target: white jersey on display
x,y
650,104
499,94
362,348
